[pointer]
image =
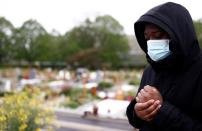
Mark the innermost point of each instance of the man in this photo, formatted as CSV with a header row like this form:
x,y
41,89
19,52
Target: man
x,y
170,94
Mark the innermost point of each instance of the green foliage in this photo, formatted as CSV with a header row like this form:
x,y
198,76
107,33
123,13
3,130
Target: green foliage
x,y
94,44
2,94
71,104
24,113
104,85
6,31
26,38
130,93
72,92
198,28
74,95
98,43
135,82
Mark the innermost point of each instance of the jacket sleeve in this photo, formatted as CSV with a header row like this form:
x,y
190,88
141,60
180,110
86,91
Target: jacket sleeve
x,y
172,117
132,117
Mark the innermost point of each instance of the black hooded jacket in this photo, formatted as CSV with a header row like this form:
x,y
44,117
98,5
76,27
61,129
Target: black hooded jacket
x,y
177,77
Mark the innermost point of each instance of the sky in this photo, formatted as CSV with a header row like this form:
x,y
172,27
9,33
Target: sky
x,y
63,15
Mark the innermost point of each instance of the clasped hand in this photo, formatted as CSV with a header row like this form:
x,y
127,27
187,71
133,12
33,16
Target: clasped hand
x,y
149,101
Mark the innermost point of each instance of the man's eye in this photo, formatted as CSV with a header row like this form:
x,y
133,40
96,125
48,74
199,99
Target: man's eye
x,y
158,38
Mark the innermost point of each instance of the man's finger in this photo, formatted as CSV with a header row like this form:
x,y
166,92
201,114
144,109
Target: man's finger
x,y
139,95
144,96
137,99
151,108
143,106
150,88
153,112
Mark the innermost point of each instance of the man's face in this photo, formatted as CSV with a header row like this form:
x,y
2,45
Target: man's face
x,y
152,32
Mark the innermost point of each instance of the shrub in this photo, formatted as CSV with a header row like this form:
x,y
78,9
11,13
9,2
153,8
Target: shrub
x,y
135,82
71,104
21,112
104,85
76,97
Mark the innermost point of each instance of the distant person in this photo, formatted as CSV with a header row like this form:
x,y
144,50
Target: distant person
x,y
32,73
95,110
18,73
170,94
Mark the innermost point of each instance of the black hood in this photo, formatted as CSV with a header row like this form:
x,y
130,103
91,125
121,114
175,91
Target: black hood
x,y
177,22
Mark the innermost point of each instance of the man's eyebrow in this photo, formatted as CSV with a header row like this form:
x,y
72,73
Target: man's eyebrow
x,y
155,31
158,31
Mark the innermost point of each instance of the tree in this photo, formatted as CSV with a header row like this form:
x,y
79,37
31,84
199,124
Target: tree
x,y
198,28
94,44
6,32
25,39
97,43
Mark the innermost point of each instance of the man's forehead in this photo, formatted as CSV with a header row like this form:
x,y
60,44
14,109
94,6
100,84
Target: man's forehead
x,y
149,27
152,26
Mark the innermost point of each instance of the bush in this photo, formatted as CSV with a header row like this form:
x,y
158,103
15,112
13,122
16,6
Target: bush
x,y
2,94
19,112
72,104
104,85
76,97
135,82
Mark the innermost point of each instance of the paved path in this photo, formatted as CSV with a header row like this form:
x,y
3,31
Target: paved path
x,y
74,122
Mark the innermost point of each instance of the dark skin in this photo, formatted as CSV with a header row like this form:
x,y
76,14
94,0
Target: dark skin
x,y
152,32
149,99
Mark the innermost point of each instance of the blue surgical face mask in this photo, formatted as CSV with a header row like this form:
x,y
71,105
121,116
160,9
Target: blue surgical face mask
x,y
158,49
